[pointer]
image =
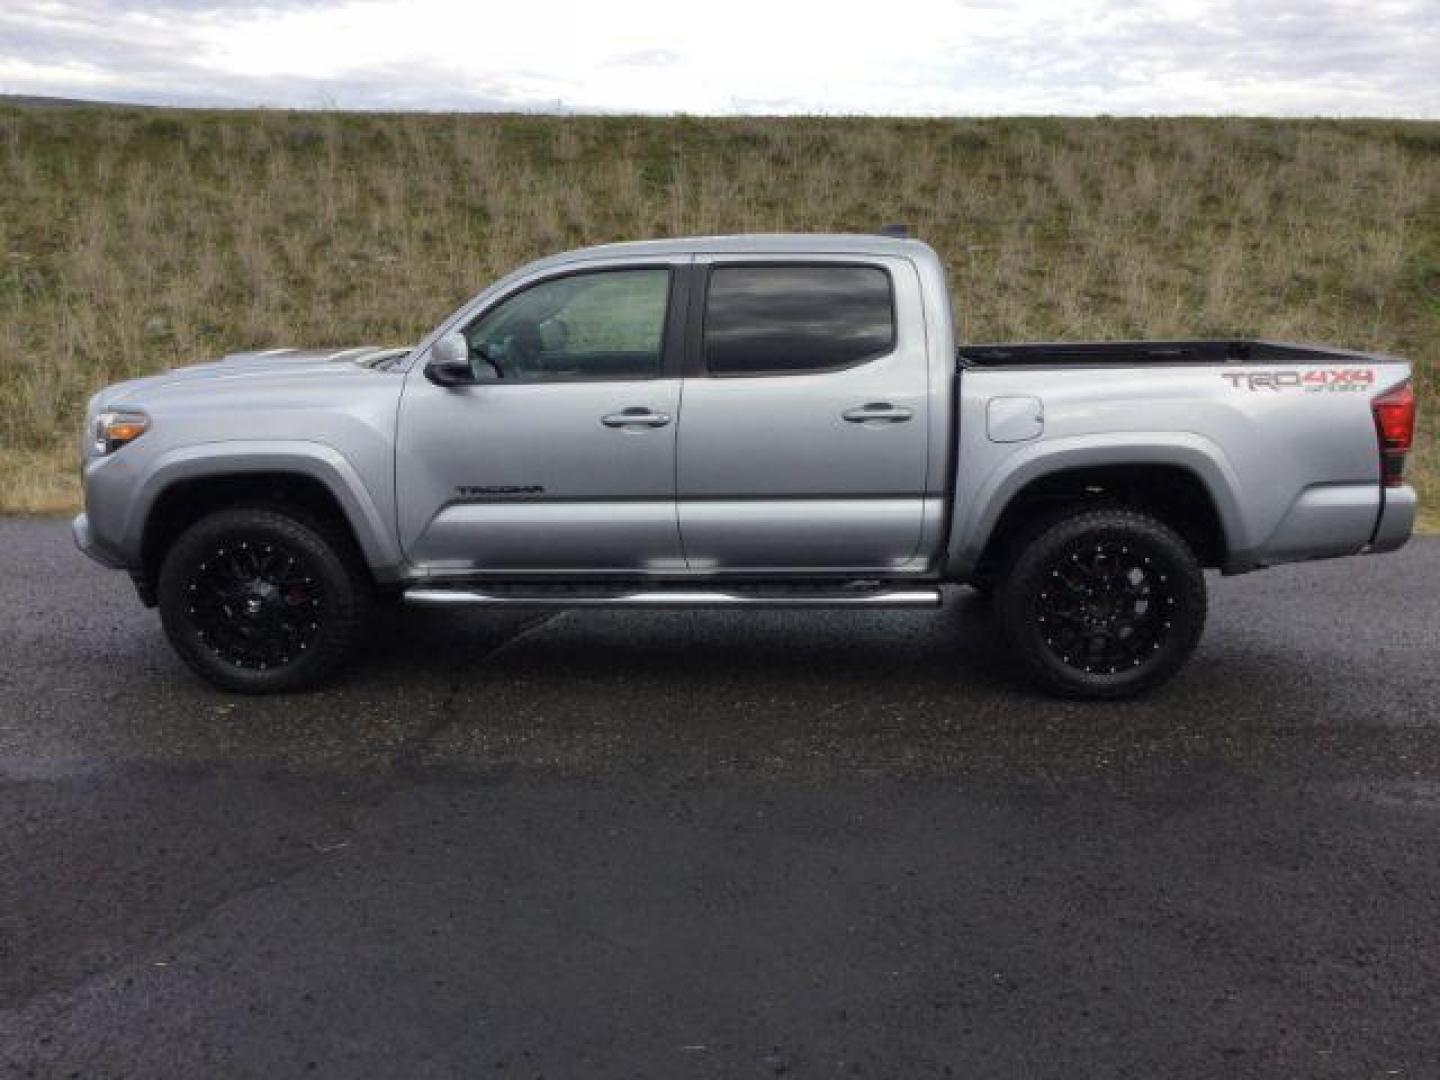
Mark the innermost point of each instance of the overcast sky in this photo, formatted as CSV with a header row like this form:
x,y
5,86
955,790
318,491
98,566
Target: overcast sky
x,y
1285,57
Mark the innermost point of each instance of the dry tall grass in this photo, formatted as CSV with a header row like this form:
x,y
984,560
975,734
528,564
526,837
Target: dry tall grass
x,y
136,240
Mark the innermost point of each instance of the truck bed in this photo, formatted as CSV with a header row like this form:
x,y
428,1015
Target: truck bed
x,y
1135,353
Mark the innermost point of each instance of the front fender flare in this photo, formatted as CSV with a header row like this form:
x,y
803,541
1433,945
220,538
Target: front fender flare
x,y
316,461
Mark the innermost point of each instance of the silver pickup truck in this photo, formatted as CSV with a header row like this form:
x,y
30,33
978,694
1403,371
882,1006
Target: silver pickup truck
x,y
738,422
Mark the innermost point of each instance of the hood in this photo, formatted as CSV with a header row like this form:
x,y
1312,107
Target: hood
x,y
246,367
289,357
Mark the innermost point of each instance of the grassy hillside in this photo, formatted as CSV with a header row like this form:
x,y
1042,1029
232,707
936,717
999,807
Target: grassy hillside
x,y
134,240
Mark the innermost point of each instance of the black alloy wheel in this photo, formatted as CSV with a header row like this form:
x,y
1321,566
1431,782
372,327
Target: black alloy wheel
x,y
1107,606
255,603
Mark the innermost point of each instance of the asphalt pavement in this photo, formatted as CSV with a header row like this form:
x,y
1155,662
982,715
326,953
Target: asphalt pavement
x,y
720,844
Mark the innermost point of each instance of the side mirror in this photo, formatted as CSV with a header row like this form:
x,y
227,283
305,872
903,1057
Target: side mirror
x,y
450,362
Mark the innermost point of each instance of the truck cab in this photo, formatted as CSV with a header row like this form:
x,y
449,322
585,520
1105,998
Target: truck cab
x,y
750,406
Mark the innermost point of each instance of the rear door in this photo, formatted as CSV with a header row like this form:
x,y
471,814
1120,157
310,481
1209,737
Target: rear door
x,y
806,430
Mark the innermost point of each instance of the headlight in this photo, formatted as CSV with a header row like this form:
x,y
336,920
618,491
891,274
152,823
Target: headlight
x,y
114,429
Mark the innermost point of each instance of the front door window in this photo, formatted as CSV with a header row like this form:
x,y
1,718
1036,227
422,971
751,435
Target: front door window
x,y
607,324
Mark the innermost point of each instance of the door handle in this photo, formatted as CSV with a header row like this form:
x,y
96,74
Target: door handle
x,y
635,417
878,412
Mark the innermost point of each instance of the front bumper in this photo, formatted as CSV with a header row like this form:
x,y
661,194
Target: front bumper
x,y
86,542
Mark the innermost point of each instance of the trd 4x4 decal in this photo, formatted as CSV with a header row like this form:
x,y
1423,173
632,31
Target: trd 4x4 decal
x,y
1310,379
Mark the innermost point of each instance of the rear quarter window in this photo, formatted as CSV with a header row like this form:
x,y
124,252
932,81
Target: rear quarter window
x,y
789,320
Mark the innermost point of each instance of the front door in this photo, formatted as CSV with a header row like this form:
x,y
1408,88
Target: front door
x,y
806,434
561,456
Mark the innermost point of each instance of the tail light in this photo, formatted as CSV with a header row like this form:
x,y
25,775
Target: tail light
x,y
1395,425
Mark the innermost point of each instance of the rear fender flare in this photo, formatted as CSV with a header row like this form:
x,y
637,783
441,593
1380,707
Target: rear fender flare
x,y
977,513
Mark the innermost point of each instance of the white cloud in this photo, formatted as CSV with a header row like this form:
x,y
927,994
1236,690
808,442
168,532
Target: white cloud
x,y
1308,57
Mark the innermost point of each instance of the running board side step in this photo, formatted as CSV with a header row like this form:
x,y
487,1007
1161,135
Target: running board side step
x,y
676,598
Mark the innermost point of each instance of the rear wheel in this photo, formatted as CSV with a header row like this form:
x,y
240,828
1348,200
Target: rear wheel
x,y
1103,603
256,600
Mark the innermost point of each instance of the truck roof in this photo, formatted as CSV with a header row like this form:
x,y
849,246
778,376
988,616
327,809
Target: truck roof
x,y
750,244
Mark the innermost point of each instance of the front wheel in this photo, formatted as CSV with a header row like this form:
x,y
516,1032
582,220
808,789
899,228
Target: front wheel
x,y
257,601
1103,603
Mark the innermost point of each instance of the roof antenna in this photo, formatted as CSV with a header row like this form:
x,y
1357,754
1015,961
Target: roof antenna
x,y
898,232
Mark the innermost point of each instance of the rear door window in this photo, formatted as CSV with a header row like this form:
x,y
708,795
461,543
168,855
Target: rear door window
x,y
789,320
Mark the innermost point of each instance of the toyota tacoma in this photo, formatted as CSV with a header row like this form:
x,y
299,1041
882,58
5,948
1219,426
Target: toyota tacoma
x,y
738,422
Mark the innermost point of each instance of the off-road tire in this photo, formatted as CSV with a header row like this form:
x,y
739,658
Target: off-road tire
x,y
323,565
1079,582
